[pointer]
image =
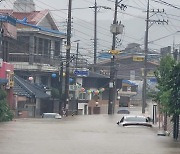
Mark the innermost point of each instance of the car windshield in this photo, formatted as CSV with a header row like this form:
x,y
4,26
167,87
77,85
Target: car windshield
x,y
135,119
49,115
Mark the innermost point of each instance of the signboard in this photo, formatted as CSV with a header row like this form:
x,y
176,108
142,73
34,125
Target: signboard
x,y
114,52
150,73
138,58
81,72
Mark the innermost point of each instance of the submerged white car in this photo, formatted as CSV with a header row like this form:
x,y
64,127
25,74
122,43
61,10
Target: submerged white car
x,y
134,120
51,115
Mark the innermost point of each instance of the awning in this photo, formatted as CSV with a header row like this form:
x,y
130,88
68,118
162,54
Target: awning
x,y
3,81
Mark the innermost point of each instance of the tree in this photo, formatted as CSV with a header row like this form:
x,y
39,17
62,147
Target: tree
x,y
168,95
174,99
5,112
163,74
174,86
55,93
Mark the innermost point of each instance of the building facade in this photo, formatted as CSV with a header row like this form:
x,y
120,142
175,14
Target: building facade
x,y
31,42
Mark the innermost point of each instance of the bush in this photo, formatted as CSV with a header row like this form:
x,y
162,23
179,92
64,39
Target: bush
x,y
5,112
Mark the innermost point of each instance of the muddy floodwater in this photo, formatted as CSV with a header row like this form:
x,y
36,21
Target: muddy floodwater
x,y
91,134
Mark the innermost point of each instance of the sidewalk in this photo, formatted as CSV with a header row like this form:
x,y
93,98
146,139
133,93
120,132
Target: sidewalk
x,y
157,125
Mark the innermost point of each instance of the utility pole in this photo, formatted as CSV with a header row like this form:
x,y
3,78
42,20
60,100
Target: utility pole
x,y
60,86
146,50
77,53
95,7
115,29
76,92
145,60
112,69
1,42
68,48
95,33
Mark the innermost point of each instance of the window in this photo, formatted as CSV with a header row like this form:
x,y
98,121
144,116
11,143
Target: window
x,y
40,47
23,44
82,96
57,48
46,46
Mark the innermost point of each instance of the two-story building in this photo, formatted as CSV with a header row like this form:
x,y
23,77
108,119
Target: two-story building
x,y
32,42
36,51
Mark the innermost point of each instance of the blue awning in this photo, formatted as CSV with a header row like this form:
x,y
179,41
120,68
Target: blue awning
x,y
128,82
3,81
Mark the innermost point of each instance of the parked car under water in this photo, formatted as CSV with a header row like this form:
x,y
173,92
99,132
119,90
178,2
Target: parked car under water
x,y
51,115
134,120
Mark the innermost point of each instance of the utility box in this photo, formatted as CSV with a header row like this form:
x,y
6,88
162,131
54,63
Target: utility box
x,y
117,28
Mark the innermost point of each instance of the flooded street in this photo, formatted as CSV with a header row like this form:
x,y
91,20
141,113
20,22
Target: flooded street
x,y
93,134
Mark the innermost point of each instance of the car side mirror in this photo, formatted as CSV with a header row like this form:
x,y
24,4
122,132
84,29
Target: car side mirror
x,y
118,122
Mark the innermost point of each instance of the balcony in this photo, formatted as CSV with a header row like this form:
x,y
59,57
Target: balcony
x,y
36,58
45,63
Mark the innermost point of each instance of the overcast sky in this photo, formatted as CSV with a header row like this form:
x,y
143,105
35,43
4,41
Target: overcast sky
x,y
133,18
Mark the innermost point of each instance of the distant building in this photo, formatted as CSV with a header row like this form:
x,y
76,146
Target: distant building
x,y
165,51
133,48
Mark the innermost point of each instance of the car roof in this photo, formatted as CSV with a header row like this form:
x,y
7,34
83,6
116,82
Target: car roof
x,y
51,113
137,116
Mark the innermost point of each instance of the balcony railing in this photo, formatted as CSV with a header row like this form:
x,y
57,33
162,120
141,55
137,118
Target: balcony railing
x,y
36,58
44,59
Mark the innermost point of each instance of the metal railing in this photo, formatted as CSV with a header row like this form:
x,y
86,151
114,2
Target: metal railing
x,y
36,58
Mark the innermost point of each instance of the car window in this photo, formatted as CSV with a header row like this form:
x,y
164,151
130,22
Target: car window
x,y
49,115
137,119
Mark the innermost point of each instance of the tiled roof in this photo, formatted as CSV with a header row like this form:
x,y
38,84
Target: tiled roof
x,y
28,89
32,17
6,11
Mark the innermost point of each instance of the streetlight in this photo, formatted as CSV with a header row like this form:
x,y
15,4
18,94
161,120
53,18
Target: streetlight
x,y
97,103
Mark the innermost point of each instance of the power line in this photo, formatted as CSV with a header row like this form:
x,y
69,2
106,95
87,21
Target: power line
x,y
165,3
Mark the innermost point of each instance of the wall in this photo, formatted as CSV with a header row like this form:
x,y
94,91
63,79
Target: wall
x,y
103,104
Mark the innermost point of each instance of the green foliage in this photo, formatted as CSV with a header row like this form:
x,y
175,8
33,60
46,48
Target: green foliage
x,y
5,112
163,75
55,93
174,85
163,72
2,94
